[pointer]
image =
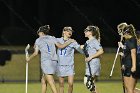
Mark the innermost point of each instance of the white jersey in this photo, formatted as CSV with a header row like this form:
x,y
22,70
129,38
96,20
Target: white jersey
x,y
46,45
66,55
92,47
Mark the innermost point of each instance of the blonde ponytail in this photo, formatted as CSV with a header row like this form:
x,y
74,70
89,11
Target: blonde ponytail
x,y
98,34
133,31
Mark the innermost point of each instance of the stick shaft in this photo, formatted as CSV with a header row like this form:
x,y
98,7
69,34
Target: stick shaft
x,y
114,61
26,87
26,55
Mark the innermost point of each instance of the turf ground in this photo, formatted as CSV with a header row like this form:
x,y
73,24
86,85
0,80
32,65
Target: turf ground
x,y
14,71
103,87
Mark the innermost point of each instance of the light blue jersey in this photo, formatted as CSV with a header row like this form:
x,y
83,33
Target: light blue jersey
x,y
66,55
46,45
92,47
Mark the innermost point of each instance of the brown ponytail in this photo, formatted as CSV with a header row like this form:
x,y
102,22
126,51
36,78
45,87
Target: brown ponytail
x,y
133,31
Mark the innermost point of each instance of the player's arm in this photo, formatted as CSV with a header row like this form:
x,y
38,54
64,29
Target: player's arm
x,y
97,54
78,47
133,45
80,50
59,45
133,56
35,53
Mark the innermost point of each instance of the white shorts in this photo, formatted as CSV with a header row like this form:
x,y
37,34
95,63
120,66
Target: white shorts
x,y
49,67
65,70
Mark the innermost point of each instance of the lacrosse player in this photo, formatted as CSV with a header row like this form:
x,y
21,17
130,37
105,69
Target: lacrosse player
x,y
129,58
65,66
46,45
93,50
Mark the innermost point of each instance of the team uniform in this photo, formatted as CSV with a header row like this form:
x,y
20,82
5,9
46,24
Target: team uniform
x,y
126,59
92,47
46,45
66,58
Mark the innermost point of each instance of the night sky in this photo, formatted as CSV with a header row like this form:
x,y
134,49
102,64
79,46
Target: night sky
x,y
20,19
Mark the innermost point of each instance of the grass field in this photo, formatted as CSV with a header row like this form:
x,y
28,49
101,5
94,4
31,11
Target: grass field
x,y
103,87
14,71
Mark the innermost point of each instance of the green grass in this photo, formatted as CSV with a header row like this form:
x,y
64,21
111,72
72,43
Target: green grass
x,y
15,70
103,87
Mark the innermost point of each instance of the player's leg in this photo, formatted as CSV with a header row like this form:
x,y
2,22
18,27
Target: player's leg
x,y
51,82
61,84
60,74
95,73
43,84
70,83
49,68
129,84
137,90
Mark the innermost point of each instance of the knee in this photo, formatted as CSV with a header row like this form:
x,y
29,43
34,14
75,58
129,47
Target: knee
x,y
130,90
61,84
43,82
70,84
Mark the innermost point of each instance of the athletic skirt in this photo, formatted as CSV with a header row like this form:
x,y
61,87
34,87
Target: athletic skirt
x,y
49,66
95,68
65,70
127,72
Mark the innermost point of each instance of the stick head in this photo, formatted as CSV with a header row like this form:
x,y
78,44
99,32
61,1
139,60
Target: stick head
x,y
27,47
88,81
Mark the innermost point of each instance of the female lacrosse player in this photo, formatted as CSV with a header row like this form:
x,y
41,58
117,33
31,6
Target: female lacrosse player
x,y
46,44
66,60
93,52
129,58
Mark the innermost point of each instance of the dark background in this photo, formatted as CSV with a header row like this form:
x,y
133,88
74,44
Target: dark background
x,y
20,19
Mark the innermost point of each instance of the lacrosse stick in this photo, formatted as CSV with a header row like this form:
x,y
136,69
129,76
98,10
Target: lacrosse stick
x,y
26,55
121,34
116,57
120,28
89,82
